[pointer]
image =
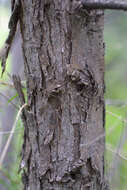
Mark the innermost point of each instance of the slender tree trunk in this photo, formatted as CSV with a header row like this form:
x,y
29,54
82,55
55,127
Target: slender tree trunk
x,y
64,121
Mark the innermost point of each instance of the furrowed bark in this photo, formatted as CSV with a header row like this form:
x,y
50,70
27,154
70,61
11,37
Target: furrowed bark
x,y
64,67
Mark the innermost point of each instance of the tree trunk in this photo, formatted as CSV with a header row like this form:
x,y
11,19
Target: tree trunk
x,y
64,121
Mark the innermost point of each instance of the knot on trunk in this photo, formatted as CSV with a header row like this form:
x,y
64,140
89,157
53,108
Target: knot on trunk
x,y
84,79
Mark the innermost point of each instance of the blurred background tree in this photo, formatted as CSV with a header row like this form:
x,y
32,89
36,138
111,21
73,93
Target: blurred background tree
x,y
115,96
9,178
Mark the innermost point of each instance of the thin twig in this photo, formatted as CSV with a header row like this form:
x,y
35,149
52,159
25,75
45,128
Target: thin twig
x,y
108,147
12,26
11,84
8,99
115,161
8,132
10,136
103,135
97,138
6,84
104,4
117,116
118,103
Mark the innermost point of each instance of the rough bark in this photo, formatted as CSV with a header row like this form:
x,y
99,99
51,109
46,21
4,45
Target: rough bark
x,y
64,121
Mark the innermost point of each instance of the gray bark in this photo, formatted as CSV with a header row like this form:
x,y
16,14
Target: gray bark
x,y
64,121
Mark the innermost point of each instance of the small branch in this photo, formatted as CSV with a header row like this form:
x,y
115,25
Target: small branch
x,y
8,43
104,4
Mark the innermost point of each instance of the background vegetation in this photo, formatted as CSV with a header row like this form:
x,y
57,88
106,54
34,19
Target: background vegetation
x,y
116,98
116,103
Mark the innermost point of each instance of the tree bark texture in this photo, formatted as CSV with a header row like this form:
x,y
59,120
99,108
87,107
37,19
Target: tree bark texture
x,y
64,122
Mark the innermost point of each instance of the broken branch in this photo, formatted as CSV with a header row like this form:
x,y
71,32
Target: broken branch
x,y
12,26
